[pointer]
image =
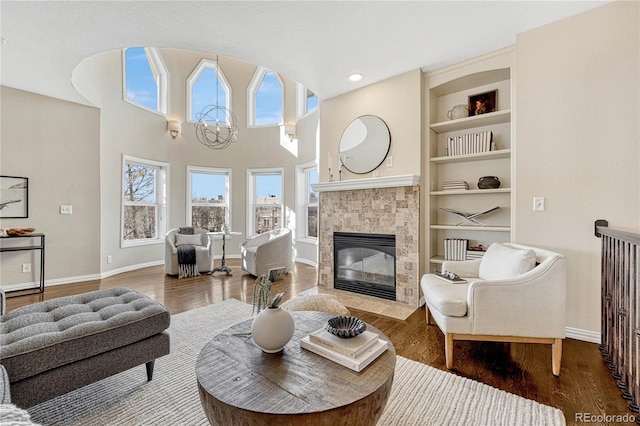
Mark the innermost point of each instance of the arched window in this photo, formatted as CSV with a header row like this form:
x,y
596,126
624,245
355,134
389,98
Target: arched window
x,y
146,81
266,95
307,101
203,85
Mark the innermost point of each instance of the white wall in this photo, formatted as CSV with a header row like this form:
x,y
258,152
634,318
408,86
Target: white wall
x,y
397,102
55,144
577,110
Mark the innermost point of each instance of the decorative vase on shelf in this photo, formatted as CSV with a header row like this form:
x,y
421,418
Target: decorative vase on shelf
x,y
458,111
489,182
272,329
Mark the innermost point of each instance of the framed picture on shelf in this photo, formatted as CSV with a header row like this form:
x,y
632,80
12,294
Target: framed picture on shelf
x,y
14,197
483,103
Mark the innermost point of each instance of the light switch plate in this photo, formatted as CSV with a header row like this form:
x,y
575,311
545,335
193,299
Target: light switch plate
x,y
538,204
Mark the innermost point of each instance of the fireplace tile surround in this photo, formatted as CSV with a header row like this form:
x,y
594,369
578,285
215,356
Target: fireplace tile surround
x,y
373,208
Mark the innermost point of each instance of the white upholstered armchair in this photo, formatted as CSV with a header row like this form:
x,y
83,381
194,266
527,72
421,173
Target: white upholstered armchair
x,y
203,246
515,293
272,249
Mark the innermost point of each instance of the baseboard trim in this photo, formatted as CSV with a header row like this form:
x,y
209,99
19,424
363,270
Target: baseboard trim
x,y
306,261
130,268
584,335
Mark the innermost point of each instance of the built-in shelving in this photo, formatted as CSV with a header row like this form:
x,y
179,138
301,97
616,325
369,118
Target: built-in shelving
x,y
449,87
471,191
492,118
501,153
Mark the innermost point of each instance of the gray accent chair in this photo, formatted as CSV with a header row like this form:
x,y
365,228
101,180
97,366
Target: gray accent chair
x,y
53,347
269,250
204,252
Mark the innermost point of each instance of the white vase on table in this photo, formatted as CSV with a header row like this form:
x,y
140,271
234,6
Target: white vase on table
x,y
272,329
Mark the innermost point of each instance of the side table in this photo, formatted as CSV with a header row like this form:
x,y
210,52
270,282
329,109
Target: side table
x,y
39,247
223,266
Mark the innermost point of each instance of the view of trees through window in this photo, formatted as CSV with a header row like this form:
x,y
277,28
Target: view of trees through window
x,y
209,200
140,202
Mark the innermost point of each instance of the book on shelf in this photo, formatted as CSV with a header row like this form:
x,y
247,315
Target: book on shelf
x,y
352,347
356,364
455,248
475,252
454,184
472,143
450,277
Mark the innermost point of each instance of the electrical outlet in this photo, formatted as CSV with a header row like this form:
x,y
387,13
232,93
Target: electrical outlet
x,y
109,259
26,267
538,204
66,209
389,161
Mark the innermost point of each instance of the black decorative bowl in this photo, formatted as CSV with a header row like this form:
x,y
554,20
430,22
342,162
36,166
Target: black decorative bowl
x,y
345,327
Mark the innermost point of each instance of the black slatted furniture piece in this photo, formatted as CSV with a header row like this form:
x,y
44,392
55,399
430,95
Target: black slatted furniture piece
x,y
53,347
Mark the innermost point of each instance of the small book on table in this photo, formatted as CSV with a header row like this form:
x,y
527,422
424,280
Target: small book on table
x,y
356,364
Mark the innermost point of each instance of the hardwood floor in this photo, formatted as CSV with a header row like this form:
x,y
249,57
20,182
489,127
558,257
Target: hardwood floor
x,y
585,384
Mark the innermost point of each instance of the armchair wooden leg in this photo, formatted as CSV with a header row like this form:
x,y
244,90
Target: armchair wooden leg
x,y
556,356
448,350
429,318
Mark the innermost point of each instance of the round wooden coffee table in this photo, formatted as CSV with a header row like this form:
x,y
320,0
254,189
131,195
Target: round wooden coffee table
x,y
239,384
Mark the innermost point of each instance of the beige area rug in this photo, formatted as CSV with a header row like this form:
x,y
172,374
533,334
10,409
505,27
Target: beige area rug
x,y
421,395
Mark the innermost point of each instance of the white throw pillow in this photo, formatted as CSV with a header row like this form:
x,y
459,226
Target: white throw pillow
x,y
195,240
502,262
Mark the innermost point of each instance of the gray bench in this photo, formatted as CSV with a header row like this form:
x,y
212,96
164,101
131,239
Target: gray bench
x,y
53,347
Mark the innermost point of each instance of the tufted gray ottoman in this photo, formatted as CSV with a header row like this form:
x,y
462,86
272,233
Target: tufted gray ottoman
x,y
53,347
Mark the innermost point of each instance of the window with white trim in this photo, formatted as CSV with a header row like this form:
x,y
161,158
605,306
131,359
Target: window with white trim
x,y
144,201
146,81
208,197
207,85
265,98
307,101
307,205
265,206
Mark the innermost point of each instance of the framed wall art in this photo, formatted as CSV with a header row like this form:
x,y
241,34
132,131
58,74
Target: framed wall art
x,y
14,197
483,103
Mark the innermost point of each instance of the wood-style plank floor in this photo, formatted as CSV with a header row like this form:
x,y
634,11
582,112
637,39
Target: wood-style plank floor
x,y
584,386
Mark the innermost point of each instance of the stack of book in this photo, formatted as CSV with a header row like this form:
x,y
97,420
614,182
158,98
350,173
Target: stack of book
x,y
475,252
455,248
355,353
449,185
471,143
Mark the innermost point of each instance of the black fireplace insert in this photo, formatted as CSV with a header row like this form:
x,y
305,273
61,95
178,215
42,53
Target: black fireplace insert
x,y
365,263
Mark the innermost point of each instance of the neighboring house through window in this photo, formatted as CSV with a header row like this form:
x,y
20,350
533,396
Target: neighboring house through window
x,y
144,207
208,197
146,82
264,203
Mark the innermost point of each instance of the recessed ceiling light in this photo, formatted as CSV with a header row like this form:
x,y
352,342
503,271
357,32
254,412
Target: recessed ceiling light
x,y
356,76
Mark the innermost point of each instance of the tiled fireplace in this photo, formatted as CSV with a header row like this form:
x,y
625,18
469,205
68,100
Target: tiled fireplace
x,y
373,206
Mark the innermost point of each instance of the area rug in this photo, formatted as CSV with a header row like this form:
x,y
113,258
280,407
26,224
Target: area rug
x,y
421,395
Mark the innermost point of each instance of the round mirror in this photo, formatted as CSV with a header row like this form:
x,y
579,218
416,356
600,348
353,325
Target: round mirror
x,y
364,144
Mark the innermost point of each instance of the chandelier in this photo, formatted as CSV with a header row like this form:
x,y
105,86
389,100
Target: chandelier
x,y
216,125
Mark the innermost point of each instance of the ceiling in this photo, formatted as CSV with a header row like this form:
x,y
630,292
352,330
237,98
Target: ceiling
x,y
317,43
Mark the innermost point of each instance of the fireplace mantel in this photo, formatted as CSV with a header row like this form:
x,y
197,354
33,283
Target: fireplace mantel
x,y
367,183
